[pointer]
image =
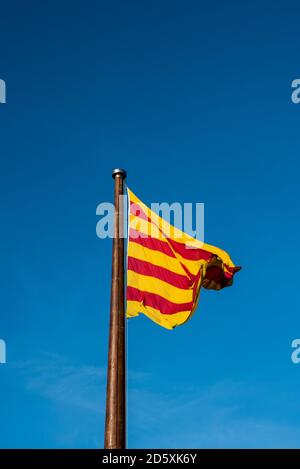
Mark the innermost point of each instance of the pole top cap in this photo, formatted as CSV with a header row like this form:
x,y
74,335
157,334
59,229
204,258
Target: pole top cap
x,y
121,172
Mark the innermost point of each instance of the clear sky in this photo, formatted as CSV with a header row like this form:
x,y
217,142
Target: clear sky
x,y
193,99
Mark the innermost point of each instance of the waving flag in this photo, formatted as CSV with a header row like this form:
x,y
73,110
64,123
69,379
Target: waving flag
x,y
166,268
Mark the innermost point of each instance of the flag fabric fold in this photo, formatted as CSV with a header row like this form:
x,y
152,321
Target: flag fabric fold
x,y
166,268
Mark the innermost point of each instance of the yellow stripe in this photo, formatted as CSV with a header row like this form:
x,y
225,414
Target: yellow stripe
x,y
155,257
163,260
146,227
169,321
157,286
192,266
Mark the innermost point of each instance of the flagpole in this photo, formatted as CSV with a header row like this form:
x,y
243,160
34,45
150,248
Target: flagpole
x,y
115,422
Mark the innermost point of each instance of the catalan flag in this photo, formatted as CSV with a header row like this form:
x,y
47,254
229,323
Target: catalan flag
x,y
166,268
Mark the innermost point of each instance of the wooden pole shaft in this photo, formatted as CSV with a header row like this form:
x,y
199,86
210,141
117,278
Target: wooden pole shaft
x,y
115,422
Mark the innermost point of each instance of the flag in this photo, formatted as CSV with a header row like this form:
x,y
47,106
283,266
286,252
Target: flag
x,y
166,268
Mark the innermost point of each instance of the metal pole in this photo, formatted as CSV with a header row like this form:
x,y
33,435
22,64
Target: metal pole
x,y
115,422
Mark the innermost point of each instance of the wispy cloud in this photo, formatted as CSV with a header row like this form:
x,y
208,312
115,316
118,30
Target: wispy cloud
x,y
76,391
222,415
65,383
227,414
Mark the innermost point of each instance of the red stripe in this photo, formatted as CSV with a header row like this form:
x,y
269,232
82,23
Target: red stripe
x,y
156,301
227,274
151,270
137,211
150,243
196,284
232,270
189,253
191,276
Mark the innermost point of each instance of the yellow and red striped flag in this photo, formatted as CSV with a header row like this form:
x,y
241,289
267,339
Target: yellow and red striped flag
x,y
166,268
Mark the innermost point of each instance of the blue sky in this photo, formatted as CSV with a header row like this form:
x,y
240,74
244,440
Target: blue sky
x,y
193,99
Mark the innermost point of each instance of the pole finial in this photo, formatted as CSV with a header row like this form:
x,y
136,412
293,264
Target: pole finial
x,y
121,172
